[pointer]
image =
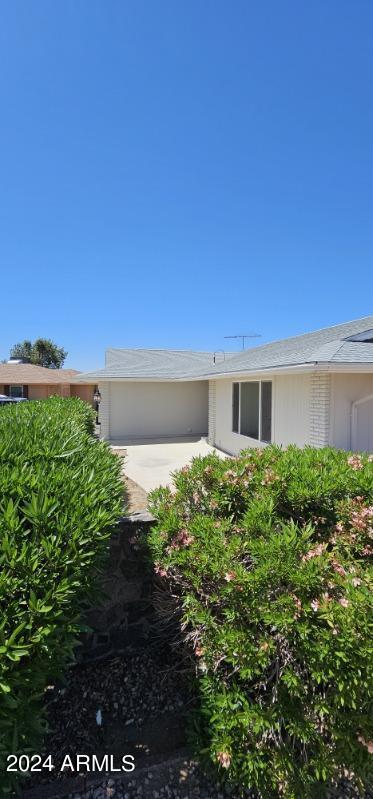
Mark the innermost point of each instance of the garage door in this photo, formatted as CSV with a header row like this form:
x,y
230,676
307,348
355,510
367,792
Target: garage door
x,y
362,425
157,410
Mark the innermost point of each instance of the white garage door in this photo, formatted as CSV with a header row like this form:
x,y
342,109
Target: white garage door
x,y
156,410
362,425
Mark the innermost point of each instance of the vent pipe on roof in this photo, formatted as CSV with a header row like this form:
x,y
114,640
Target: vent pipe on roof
x,y
219,351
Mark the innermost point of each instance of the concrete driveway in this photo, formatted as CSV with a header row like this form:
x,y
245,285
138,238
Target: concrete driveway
x,y
151,463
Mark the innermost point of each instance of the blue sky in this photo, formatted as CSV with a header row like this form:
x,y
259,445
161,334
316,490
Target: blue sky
x,y
174,172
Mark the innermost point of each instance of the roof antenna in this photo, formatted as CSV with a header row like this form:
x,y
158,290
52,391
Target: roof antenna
x,y
245,335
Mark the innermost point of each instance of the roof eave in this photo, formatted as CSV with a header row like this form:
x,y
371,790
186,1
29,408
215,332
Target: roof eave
x,y
304,368
301,368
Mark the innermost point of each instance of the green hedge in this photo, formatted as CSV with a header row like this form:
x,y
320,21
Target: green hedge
x,y
268,554
60,495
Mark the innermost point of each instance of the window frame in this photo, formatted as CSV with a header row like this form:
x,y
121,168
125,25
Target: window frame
x,y
16,396
238,432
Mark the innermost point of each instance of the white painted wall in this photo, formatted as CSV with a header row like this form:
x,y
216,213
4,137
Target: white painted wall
x,y
290,413
345,390
292,398
154,409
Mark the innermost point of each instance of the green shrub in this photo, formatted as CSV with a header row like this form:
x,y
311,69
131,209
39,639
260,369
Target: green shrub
x,y
60,495
268,555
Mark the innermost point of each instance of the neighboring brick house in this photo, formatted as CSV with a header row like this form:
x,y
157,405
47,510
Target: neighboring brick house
x,y
35,382
314,389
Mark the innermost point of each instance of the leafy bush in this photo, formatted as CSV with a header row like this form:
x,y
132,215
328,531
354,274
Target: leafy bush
x,y
60,494
268,555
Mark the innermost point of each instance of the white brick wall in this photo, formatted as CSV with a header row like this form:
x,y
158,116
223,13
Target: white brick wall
x,y
104,410
319,433
212,412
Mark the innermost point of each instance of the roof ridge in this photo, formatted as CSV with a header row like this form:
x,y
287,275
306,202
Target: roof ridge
x,y
159,349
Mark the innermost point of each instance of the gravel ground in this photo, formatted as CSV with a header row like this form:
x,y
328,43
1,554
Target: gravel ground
x,y
140,704
177,781
183,781
129,704
137,498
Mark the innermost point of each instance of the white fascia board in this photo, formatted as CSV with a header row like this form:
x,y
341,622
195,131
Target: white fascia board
x,y
270,370
298,369
105,379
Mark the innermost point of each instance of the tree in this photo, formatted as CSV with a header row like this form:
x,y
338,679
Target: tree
x,y
43,352
23,350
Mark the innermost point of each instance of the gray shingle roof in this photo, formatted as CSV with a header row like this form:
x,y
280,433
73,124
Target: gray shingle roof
x,y
322,346
166,364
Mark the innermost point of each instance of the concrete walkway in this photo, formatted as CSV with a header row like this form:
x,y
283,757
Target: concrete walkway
x,y
150,464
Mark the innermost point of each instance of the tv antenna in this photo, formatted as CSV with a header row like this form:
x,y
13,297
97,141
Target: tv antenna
x,y
244,336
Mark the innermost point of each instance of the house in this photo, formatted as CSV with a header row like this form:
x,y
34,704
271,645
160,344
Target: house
x,y
27,380
314,389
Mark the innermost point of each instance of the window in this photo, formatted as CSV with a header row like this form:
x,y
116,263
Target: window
x,y
249,410
16,391
252,409
266,411
235,406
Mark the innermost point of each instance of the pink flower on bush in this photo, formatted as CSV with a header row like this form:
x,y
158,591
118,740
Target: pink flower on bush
x,y
224,759
356,581
298,606
230,473
160,570
344,602
355,462
182,539
269,477
368,744
315,552
338,568
199,651
315,604
362,518
230,576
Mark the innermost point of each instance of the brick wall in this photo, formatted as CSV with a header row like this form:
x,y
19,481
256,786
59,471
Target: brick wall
x,y
319,433
104,410
212,412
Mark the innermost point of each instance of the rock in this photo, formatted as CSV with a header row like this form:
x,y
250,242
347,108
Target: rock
x,y
142,516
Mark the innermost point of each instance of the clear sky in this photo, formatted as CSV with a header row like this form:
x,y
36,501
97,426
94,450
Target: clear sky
x,y
174,171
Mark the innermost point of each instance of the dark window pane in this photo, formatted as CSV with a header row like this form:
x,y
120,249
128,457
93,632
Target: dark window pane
x,y
250,409
235,403
266,432
16,391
